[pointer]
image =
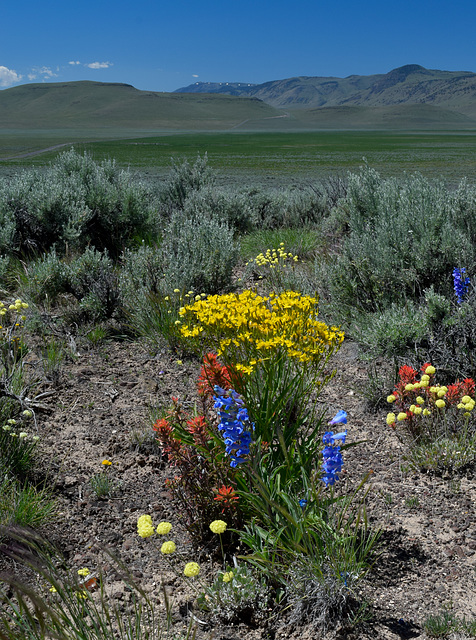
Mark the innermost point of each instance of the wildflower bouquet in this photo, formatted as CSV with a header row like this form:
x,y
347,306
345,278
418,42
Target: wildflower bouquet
x,y
275,351
436,421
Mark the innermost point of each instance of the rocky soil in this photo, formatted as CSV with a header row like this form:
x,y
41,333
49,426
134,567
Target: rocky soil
x,y
101,410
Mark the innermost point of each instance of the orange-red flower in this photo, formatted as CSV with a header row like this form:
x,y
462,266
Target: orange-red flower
x,y
227,496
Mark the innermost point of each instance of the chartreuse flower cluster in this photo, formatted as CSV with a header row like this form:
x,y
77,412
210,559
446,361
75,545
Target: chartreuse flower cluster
x,y
247,328
145,529
274,258
419,398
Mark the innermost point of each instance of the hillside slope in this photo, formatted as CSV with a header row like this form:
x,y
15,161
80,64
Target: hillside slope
x,y
99,105
410,84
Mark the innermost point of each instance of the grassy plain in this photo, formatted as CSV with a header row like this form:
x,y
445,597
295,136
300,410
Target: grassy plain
x,y
449,155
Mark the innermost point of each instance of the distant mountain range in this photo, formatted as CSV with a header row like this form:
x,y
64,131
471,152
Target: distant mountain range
x,y
409,97
411,84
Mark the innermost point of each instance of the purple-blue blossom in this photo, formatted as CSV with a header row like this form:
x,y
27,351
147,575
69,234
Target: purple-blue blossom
x,y
461,283
234,424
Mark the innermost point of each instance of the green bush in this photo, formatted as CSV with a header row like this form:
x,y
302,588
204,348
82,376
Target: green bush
x,y
183,180
224,205
74,203
198,254
287,208
403,237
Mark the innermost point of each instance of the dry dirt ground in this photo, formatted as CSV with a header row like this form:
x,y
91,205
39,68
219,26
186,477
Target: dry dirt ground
x,y
101,410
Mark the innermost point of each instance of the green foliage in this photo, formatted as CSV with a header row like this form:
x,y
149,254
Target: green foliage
x,y
62,608
17,450
287,208
244,596
225,205
198,254
404,237
446,623
76,202
24,505
184,179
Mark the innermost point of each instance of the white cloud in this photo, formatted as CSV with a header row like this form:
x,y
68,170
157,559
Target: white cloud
x,y
74,62
46,72
8,77
194,75
99,65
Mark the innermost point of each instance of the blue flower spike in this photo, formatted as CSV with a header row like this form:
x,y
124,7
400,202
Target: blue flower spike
x,y
332,457
461,283
234,424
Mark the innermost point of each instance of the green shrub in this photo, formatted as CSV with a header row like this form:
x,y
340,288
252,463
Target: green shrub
x,y
184,179
198,254
287,208
74,203
93,281
403,237
224,205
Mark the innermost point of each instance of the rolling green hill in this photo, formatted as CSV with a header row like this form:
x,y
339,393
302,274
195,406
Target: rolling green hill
x,y
108,105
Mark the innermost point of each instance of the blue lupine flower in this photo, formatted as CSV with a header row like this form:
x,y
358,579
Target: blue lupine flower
x,y
460,283
302,503
234,424
332,457
339,418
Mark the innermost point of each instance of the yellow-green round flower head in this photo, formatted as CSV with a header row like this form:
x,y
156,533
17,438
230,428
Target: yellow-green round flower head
x,y
163,528
191,569
390,418
401,416
144,526
218,526
466,399
409,387
228,576
425,378
469,406
440,403
426,412
84,572
420,400
391,398
27,413
168,547
441,393
412,408
417,411
430,370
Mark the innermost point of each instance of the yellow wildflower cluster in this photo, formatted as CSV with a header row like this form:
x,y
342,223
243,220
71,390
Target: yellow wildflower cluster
x,y
252,328
424,398
274,258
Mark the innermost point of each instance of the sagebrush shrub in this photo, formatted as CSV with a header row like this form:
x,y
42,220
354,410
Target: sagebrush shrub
x,y
184,179
403,237
198,254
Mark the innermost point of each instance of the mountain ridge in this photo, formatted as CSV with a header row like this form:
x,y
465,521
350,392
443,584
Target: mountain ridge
x,y
409,84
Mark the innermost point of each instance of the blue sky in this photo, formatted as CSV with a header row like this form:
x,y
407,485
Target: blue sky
x,y
161,46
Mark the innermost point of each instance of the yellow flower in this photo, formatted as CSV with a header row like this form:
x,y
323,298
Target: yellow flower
x,y
466,399
228,576
420,400
440,403
179,362
106,463
391,398
168,547
390,418
401,416
191,569
409,387
163,528
417,411
144,526
412,408
84,572
53,589
430,370
176,290
218,526
426,412
425,378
